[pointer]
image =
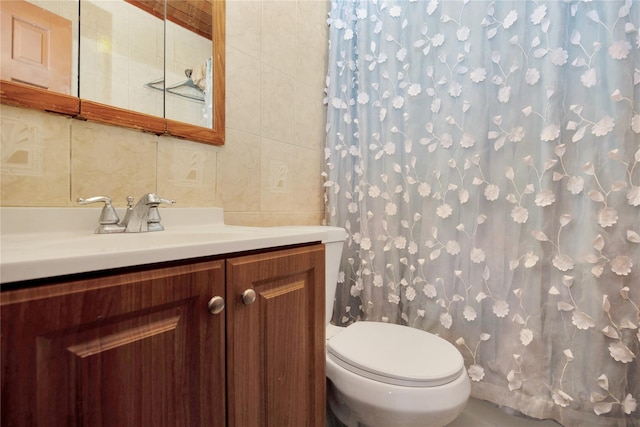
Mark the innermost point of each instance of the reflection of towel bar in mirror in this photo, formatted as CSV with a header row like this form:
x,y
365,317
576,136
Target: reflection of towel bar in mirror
x,y
195,94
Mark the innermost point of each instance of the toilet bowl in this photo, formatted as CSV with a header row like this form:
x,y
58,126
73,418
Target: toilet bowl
x,y
387,375
383,375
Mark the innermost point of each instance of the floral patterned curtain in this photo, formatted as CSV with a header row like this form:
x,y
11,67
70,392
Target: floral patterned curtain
x,y
484,158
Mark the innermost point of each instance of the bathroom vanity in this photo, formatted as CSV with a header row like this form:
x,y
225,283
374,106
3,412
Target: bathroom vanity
x,y
199,325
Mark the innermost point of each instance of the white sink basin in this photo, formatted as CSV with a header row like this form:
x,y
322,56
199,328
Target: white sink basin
x,y
46,242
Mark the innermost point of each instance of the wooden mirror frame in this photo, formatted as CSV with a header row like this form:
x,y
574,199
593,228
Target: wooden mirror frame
x,y
22,95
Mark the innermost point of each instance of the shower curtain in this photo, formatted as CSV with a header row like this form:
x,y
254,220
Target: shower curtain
x,y
484,158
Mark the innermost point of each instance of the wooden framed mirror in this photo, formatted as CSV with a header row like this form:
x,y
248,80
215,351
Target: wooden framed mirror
x,y
187,61
179,13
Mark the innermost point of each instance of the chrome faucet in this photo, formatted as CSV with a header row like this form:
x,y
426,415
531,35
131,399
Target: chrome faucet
x,y
142,217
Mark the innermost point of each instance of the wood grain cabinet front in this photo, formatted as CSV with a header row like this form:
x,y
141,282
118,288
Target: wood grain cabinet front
x,y
143,348
133,349
275,339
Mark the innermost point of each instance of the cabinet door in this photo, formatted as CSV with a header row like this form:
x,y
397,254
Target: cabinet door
x,y
128,350
275,345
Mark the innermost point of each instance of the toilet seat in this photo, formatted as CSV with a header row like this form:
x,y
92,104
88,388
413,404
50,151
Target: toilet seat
x,y
395,354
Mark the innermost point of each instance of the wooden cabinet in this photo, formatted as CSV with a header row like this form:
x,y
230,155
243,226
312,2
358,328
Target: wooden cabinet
x,y
275,345
130,349
141,348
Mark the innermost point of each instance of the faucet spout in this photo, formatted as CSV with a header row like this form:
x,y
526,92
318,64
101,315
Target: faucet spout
x,y
144,216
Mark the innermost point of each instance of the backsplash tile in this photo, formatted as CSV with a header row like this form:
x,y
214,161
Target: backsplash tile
x,y
273,219
277,161
35,165
23,154
187,172
278,177
238,183
111,161
307,187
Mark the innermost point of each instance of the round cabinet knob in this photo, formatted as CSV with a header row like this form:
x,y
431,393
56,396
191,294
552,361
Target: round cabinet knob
x,y
249,296
216,305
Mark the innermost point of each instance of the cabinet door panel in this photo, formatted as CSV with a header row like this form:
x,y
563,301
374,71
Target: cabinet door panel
x,y
285,323
127,350
94,361
275,352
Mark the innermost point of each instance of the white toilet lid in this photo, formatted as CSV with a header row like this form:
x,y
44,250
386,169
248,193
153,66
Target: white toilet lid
x,y
396,354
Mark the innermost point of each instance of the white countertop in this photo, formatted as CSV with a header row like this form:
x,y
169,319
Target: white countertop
x,y
46,242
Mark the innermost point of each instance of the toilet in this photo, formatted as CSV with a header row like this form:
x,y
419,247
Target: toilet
x,y
388,375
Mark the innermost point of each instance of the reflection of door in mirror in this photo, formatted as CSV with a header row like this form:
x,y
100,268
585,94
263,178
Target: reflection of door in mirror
x,y
188,62
121,50
37,44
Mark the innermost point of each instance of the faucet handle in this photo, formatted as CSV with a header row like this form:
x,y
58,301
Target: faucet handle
x,y
108,214
108,217
95,199
167,201
152,199
153,219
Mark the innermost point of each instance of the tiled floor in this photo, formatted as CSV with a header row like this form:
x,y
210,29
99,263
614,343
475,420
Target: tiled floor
x,y
479,413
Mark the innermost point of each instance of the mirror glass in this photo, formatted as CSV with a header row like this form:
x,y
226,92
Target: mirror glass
x,y
188,62
39,41
119,62
122,56
134,59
